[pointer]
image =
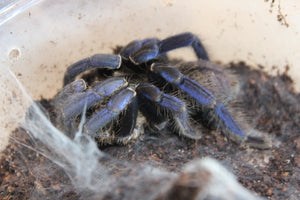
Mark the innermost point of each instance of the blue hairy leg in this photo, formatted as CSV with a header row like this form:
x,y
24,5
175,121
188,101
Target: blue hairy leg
x,y
201,96
116,105
100,61
145,50
72,99
158,105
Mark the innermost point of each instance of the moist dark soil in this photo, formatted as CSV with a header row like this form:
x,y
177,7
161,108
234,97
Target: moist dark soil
x,y
274,173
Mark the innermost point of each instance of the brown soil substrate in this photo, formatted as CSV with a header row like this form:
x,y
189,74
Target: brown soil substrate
x,y
272,173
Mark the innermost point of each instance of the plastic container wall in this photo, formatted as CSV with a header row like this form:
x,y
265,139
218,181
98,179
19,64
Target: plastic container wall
x,y
39,39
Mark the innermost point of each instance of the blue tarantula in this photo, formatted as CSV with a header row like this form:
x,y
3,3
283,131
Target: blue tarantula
x,y
142,83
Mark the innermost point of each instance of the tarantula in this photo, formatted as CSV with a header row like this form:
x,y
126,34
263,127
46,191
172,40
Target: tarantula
x,y
142,81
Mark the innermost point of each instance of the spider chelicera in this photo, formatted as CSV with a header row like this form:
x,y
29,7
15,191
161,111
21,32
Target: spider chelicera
x,y
142,83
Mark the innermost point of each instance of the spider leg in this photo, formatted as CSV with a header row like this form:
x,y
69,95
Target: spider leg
x,y
183,40
136,45
70,89
149,49
203,97
124,131
166,105
72,99
116,105
102,61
